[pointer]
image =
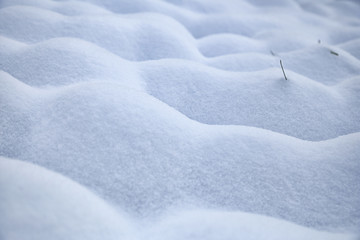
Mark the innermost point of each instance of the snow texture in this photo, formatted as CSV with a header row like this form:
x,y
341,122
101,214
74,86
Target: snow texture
x,y
171,119
40,204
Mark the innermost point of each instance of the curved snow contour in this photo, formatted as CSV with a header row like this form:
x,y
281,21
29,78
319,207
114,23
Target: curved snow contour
x,y
39,204
212,225
134,37
299,107
61,61
36,203
93,119
150,156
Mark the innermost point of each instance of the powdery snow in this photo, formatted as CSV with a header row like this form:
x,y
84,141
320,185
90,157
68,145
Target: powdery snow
x,y
40,204
175,118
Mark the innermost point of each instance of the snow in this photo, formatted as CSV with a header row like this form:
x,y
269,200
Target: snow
x,y
65,209
172,119
40,204
235,225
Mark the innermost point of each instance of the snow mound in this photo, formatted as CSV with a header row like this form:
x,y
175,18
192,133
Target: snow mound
x,y
51,63
181,104
300,107
128,36
131,134
40,204
65,210
211,225
57,56
330,66
70,8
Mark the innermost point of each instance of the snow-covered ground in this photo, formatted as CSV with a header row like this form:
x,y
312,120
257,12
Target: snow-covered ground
x,y
172,119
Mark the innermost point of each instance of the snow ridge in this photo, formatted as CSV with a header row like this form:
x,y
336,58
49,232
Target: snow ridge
x,y
161,106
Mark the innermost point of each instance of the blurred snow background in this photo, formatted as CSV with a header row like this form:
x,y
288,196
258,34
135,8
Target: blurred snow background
x,y
169,119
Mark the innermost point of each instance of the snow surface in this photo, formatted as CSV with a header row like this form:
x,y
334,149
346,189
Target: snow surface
x,y
172,119
41,204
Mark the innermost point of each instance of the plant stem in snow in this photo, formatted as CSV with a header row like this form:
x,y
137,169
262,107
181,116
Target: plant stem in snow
x,y
335,53
283,69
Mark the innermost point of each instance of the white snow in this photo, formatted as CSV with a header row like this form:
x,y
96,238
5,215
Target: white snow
x,y
210,225
40,204
172,119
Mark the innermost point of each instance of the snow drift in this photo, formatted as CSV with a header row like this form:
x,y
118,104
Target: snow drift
x,y
175,118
